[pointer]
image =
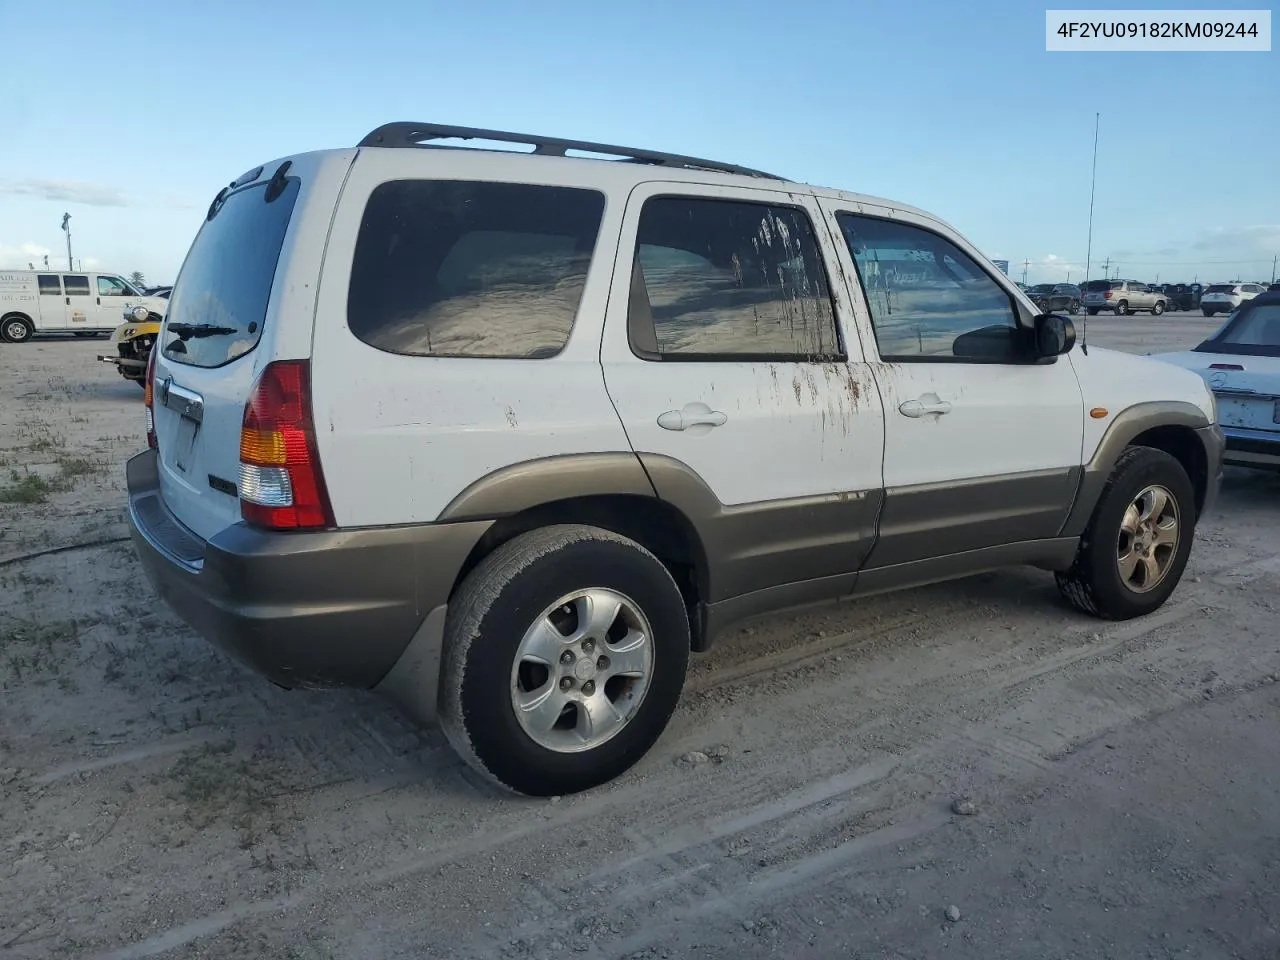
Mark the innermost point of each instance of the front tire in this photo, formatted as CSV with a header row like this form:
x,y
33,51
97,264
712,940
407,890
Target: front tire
x,y
1157,308
1075,307
16,328
565,654
1208,313
1136,546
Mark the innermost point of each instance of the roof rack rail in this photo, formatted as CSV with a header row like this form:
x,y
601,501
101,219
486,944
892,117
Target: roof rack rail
x,y
406,134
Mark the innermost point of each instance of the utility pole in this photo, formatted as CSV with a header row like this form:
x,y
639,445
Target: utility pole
x,y
1106,269
1025,265
1273,267
66,221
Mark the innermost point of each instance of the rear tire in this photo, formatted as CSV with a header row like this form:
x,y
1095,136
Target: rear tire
x,y
1122,308
499,655
1113,576
1075,307
1207,313
16,328
1093,311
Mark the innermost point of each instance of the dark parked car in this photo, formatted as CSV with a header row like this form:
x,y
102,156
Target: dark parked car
x,y
1056,296
1186,296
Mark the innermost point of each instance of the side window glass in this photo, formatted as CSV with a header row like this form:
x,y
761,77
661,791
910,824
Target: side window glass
x,y
76,286
50,285
725,279
928,299
471,269
111,287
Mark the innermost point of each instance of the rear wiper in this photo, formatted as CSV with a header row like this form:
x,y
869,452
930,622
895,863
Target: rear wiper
x,y
188,330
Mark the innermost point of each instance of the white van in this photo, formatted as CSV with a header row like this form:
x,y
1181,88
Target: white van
x,y
51,301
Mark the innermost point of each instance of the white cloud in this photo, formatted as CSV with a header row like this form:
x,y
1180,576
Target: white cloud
x,y
17,257
1259,238
67,191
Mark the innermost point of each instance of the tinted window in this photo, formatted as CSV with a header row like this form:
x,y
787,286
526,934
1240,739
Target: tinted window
x,y
112,287
50,284
1259,326
721,278
76,286
928,299
466,269
1098,286
1221,288
220,301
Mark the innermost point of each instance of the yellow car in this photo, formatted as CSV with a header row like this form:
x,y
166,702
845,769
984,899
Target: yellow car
x,y
134,339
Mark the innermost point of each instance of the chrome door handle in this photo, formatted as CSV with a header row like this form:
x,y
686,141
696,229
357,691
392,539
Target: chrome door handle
x,y
923,406
691,415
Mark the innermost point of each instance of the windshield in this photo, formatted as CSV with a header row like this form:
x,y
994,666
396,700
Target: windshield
x,y
219,304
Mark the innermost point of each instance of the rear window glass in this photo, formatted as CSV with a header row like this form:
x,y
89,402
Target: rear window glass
x,y
1221,288
446,268
1258,327
219,304
1100,285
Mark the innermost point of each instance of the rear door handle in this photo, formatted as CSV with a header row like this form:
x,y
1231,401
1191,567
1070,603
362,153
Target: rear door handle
x,y
691,415
930,403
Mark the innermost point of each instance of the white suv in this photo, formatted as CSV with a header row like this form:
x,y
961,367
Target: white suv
x,y
507,435
1225,297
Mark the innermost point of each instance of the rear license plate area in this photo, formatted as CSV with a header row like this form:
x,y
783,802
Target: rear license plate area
x,y
185,443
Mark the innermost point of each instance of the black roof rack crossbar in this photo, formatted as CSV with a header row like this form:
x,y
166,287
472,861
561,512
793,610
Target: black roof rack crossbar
x,y
406,134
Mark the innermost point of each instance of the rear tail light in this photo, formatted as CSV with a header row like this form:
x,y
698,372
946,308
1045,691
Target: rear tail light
x,y
281,484
1107,295
148,396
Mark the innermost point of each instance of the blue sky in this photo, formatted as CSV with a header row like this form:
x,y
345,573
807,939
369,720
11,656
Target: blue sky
x,y
130,120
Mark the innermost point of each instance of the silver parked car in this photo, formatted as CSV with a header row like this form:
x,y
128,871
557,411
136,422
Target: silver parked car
x,y
1123,297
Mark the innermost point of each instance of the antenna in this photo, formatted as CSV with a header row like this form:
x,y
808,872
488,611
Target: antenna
x,y
1088,256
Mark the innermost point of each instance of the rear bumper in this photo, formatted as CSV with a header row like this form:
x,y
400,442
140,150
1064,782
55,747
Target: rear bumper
x,y
1252,448
333,608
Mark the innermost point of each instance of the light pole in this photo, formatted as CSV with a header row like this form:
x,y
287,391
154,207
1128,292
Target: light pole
x,y
66,221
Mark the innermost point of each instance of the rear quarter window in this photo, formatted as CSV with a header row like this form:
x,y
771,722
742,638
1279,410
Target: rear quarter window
x,y
449,268
219,304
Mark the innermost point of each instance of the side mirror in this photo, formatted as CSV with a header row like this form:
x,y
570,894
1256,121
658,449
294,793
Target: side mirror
x,y
1055,335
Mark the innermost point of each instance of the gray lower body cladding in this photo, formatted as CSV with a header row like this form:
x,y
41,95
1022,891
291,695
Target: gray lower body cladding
x,y
331,608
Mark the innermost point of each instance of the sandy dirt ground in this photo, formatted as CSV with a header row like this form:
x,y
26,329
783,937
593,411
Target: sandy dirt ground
x,y
156,800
